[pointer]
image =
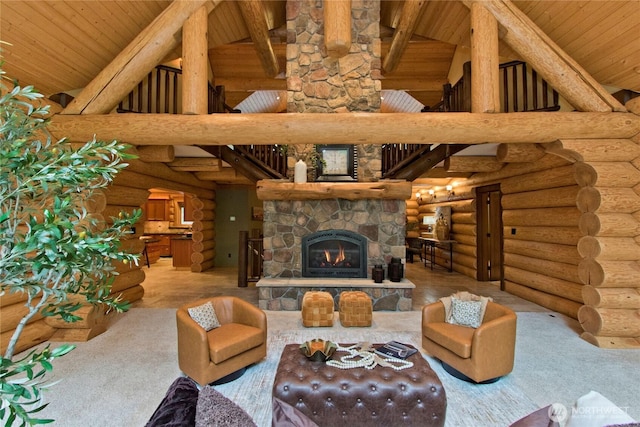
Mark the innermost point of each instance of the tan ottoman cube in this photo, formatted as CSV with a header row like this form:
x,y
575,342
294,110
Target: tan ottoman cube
x,y
317,309
355,309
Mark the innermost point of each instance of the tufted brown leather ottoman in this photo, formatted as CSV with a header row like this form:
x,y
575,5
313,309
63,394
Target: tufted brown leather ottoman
x,y
360,397
317,309
355,309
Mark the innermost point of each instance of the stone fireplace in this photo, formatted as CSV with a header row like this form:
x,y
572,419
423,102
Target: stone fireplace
x,y
380,223
334,253
321,83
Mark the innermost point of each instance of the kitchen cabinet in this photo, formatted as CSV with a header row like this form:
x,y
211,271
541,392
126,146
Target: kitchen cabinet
x,y
157,210
161,244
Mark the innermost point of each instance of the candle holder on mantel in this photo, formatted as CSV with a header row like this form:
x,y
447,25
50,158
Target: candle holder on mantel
x,y
377,273
395,270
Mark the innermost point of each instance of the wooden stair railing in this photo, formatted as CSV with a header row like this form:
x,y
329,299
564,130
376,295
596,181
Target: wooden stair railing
x,y
532,93
243,161
158,93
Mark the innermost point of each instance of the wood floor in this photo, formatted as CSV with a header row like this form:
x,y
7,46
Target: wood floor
x,y
166,287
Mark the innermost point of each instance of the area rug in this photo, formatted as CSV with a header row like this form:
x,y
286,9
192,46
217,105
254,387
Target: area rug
x,y
496,404
120,377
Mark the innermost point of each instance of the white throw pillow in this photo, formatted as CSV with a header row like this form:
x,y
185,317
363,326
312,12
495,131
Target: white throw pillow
x,y
205,316
595,410
465,313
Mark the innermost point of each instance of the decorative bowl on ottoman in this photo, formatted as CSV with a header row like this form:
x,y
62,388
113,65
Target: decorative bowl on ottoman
x,y
318,349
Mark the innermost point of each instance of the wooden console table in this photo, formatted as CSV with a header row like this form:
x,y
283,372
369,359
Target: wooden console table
x,y
429,246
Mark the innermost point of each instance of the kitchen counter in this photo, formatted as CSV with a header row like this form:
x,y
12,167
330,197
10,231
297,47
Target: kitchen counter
x,y
181,251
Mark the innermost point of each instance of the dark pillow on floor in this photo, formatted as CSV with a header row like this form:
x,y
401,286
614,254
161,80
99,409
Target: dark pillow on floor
x,y
216,410
178,408
285,415
539,418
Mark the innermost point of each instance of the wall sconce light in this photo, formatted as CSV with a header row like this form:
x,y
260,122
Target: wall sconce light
x,y
450,191
432,193
419,197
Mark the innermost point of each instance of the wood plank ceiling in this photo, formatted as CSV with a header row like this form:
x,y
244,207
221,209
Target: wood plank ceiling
x,y
60,46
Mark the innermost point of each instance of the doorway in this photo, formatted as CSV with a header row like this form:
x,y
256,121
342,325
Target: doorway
x,y
489,220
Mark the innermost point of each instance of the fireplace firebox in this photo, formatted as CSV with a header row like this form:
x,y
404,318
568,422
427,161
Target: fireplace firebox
x,y
334,253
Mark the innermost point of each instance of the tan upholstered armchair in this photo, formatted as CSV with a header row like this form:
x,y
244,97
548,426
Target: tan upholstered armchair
x,y
240,340
483,354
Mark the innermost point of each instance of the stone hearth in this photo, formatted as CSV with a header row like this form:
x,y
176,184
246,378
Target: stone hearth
x,y
286,294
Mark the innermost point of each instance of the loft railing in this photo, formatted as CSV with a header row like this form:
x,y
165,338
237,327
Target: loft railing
x,y
160,93
521,89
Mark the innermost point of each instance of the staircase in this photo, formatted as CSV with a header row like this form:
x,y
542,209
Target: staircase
x,y
521,90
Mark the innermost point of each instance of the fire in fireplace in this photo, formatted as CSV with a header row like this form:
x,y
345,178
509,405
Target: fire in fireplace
x,y
334,253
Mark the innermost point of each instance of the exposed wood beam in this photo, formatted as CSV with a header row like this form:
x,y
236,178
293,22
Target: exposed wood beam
x,y
287,190
412,10
472,164
195,63
192,164
485,61
346,128
225,176
337,27
549,60
131,65
256,21
156,153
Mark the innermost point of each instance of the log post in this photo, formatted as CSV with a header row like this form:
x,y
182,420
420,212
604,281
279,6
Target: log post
x,y
485,61
195,63
337,27
551,62
131,65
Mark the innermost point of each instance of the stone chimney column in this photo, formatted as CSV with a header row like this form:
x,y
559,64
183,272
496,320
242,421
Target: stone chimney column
x,y
317,83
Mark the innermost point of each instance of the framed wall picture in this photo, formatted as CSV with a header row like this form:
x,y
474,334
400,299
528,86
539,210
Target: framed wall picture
x,y
335,163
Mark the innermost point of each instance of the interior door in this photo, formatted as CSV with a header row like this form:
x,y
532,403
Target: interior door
x,y
489,220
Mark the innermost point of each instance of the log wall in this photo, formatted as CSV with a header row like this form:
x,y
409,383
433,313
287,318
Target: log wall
x,y
571,231
128,193
463,229
204,234
609,245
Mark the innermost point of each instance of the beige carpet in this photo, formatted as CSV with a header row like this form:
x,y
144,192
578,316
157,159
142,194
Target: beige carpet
x,y
118,378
